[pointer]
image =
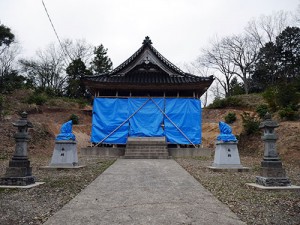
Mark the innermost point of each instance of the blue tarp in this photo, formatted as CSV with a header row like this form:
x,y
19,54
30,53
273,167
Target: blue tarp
x,y
66,132
225,133
186,114
110,113
148,120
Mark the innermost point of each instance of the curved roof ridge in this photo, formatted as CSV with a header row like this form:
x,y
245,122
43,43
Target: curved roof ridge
x,y
96,75
129,60
166,61
147,42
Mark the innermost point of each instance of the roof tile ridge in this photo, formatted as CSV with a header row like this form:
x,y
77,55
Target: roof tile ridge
x,y
202,77
166,61
96,75
126,62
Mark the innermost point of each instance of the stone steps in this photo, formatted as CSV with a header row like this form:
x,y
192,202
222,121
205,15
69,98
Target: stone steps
x,y
146,148
146,157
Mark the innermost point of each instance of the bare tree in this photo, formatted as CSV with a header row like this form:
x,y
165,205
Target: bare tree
x,y
217,91
214,58
9,78
267,28
296,16
199,70
242,50
8,59
236,55
79,49
205,73
47,70
231,56
195,68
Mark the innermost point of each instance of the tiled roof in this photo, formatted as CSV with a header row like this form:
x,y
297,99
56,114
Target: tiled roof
x,y
143,78
147,66
147,43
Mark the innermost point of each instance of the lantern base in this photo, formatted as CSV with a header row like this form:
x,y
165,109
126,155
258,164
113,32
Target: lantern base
x,y
17,181
273,181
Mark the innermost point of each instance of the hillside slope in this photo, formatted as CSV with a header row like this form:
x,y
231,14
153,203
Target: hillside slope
x,y
288,134
48,119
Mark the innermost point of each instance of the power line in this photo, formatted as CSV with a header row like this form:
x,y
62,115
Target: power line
x,y
64,49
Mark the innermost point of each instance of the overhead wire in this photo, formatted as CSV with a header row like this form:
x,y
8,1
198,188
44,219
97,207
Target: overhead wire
x,y
65,51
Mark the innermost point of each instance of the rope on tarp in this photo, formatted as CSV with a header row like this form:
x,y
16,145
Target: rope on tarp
x,y
173,123
122,123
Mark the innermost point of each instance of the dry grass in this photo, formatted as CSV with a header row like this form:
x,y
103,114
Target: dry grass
x,y
35,205
252,206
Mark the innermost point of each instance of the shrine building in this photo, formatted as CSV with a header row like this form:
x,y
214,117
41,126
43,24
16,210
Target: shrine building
x,y
148,102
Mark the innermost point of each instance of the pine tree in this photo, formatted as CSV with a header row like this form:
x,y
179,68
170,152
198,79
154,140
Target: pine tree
x,y
6,37
101,62
75,71
288,44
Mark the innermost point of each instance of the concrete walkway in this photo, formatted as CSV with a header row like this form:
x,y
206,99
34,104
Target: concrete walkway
x,y
144,191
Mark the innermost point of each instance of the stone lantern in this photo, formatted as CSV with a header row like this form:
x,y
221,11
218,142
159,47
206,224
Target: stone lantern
x,y
19,172
272,173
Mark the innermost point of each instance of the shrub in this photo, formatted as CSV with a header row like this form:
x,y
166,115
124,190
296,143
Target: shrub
x,y
38,99
287,96
288,113
231,101
74,118
218,103
1,101
262,110
230,117
82,103
50,92
250,123
1,106
282,96
270,96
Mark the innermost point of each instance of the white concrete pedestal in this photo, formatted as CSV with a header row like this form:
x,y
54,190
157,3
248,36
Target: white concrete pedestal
x,y
227,157
64,155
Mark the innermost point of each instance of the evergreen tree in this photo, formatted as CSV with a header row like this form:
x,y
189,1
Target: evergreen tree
x,y
75,71
101,62
9,77
278,62
6,37
288,47
266,68
235,87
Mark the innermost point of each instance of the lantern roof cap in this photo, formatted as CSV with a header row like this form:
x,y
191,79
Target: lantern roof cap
x,y
22,122
268,122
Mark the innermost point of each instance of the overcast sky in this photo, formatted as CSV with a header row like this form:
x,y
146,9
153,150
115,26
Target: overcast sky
x,y
177,28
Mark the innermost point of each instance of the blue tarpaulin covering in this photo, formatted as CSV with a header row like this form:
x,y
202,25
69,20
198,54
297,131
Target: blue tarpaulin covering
x,y
225,133
148,120
109,114
186,114
66,132
145,120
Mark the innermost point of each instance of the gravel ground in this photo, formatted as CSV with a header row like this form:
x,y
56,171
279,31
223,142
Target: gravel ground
x,y
35,205
252,206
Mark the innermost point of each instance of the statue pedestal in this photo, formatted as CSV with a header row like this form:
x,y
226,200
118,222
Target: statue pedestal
x,y
227,157
64,155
